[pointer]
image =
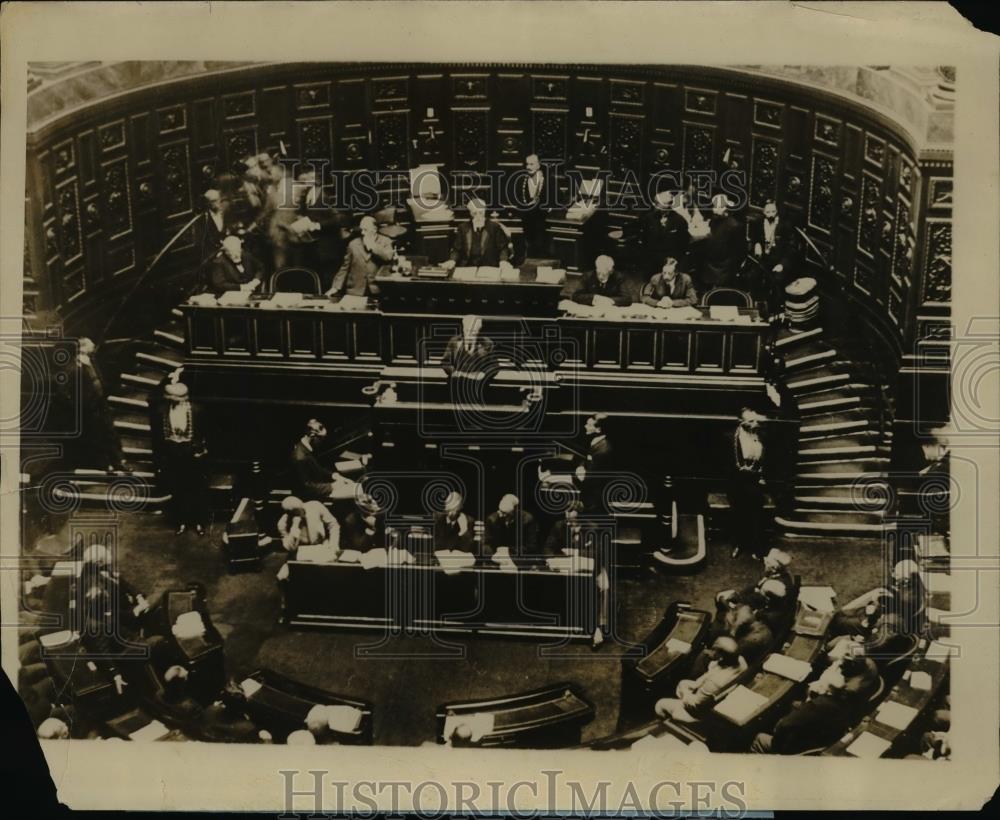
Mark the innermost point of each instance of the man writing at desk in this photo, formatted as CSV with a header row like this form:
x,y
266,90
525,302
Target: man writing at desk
x,y
234,269
670,287
603,287
365,257
479,242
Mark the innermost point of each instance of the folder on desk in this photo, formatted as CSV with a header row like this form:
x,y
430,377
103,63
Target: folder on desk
x,y
235,297
488,273
56,639
868,745
510,274
250,687
786,667
724,313
740,704
464,274
549,276
897,715
286,300
152,731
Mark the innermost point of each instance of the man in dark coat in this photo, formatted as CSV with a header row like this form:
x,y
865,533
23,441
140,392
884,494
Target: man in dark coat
x,y
664,233
234,269
511,527
469,352
480,242
725,245
775,244
530,191
670,287
99,444
602,286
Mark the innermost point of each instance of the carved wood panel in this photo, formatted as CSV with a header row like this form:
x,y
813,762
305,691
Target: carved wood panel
x,y
763,171
821,192
699,146
391,140
176,165
70,233
471,140
549,130
117,199
625,146
315,138
868,223
937,267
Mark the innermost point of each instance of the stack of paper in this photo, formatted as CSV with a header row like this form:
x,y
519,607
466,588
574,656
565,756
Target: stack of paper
x,y
464,274
377,557
490,274
454,560
234,297
820,599
398,556
921,680
724,313
510,274
250,687
56,639
351,302
150,732
286,300
678,647
203,300
868,745
681,314
189,625
786,667
894,714
342,718
349,557
317,553
550,276
740,704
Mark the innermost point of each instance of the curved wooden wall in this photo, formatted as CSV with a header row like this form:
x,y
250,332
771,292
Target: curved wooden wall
x,y
108,185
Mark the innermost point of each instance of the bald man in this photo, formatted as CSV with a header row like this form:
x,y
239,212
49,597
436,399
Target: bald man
x,y
510,527
234,269
479,242
366,256
603,286
453,529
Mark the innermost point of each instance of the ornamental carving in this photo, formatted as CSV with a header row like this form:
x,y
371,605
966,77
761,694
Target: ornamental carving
x,y
471,139
176,178
63,157
238,105
550,88
117,209
662,156
315,139
827,131
698,144
699,102
824,171
874,150
768,114
68,199
869,223
764,172
550,135
626,145
863,278
111,136
469,88
240,145
937,283
171,119
389,89
627,93
313,96
390,141
902,252
905,178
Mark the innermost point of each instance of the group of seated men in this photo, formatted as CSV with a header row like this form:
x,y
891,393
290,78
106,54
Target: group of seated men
x,y
264,220
875,628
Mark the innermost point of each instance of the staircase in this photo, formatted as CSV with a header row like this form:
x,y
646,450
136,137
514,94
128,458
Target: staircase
x,y
840,487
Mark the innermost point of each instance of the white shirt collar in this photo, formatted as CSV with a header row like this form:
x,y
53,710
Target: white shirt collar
x,y
306,443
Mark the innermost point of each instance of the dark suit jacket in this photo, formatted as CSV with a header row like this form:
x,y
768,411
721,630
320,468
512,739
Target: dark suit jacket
x,y
360,266
518,532
725,247
680,290
817,722
488,247
754,639
586,539
590,287
311,480
223,274
447,536
354,535
786,243
665,233
456,358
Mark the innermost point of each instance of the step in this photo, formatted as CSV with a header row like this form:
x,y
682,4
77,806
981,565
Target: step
x,y
147,379
838,516
817,380
820,426
113,500
129,401
830,403
812,454
135,445
788,338
159,360
172,340
90,478
818,525
860,498
869,463
177,312
810,355
132,422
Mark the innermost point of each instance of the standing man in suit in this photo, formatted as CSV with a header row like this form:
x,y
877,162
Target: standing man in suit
x,y
512,528
469,353
479,242
665,232
100,447
215,225
366,256
182,459
531,188
725,245
775,245
670,287
234,269
603,286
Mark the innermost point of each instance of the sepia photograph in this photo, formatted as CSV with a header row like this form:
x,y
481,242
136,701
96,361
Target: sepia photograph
x,y
499,411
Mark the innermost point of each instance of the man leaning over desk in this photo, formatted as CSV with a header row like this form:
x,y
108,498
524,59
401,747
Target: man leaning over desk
x,y
603,286
670,287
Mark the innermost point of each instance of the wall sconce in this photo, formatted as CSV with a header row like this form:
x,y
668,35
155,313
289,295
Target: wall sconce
x,y
846,204
794,184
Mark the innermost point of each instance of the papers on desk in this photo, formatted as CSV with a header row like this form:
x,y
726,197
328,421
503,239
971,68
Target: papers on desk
x,y
678,647
570,563
897,715
188,625
868,745
550,276
317,553
377,557
819,599
452,561
285,300
303,225
724,313
203,300
151,732
740,704
351,302
478,723
921,680
353,465
678,314
350,557
464,274
397,556
235,297
343,718
510,274
940,652
488,273
344,489
786,667
250,687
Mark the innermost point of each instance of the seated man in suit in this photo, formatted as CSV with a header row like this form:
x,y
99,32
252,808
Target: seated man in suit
x,y
364,528
366,256
453,529
469,353
307,522
696,697
603,286
510,528
670,287
832,706
312,481
214,226
775,244
480,242
905,598
776,564
234,269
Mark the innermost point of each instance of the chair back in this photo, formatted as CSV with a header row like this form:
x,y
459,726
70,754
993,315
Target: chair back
x,y
295,280
874,696
425,183
727,296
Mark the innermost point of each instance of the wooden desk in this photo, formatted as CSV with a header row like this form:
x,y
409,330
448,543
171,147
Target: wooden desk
x,y
483,600
483,297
